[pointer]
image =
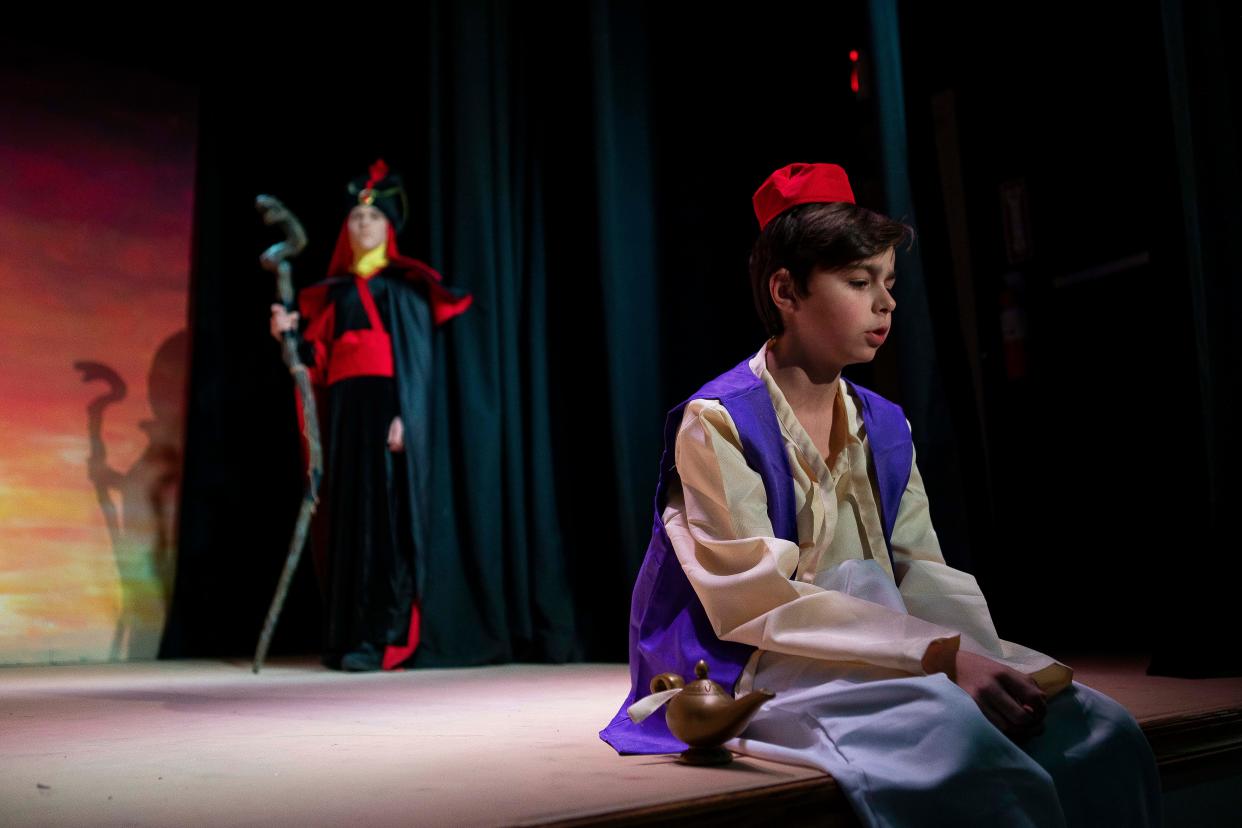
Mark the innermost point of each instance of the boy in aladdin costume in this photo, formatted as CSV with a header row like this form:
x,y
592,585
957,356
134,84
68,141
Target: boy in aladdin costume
x,y
793,550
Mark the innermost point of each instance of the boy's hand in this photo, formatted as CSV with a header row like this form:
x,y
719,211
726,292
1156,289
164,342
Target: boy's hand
x,y
1010,700
282,320
396,435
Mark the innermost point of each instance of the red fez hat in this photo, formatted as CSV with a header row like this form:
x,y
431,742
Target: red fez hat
x,y
800,184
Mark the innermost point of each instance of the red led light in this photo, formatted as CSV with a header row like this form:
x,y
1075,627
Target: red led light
x,y
854,55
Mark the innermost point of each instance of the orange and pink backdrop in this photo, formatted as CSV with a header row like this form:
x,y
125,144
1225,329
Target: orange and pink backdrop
x,y
96,196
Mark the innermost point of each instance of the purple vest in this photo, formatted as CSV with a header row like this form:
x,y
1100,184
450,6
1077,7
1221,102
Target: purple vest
x,y
669,630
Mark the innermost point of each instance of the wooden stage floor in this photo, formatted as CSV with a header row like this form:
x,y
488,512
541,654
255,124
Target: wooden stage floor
x,y
208,743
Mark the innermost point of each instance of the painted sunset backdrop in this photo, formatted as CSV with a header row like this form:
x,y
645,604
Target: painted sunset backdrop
x,y
96,196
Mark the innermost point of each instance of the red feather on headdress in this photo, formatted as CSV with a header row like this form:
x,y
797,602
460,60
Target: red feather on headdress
x,y
378,171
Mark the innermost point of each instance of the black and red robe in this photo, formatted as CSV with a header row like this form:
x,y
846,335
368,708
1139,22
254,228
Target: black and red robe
x,y
369,343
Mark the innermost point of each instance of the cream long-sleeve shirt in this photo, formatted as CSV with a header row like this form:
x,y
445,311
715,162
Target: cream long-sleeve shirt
x,y
760,590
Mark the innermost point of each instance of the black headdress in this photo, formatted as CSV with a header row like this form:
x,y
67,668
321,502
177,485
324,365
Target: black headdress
x,y
382,190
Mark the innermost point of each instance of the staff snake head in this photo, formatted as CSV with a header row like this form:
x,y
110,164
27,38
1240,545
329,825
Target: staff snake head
x,y
92,371
274,212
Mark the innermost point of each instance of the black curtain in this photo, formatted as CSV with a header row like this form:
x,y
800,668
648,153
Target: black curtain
x,y
588,179
589,182
1075,171
923,383
1044,187
1196,635
538,180
496,565
523,152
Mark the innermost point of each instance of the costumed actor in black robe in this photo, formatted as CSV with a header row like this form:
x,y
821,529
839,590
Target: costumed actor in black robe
x,y
367,340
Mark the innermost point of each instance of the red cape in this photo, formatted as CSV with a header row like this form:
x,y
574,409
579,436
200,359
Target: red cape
x,y
445,304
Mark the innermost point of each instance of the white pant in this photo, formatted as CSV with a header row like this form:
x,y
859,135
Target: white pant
x,y
917,751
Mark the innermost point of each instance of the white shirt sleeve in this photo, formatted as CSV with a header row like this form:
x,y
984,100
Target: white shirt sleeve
x,y
942,595
718,523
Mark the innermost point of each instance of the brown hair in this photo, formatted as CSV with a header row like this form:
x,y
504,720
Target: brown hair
x,y
818,235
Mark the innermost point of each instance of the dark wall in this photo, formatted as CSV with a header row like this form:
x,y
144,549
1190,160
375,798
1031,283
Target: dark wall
x,y
733,98
1086,416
